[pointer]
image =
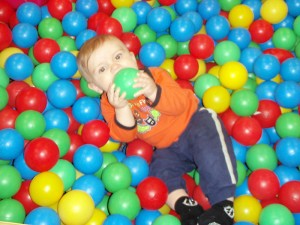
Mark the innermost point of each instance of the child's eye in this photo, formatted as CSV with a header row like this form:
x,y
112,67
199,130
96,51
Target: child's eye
x,y
102,69
118,56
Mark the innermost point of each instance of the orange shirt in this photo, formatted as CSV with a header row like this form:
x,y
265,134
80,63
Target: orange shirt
x,y
159,123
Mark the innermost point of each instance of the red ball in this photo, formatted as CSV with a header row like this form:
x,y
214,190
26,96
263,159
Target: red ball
x,y
31,98
185,84
110,26
44,49
280,53
73,123
8,117
289,196
6,10
24,197
265,203
5,36
105,6
200,197
41,154
201,46
132,42
75,142
229,118
261,31
59,8
13,90
140,148
186,66
247,131
13,20
96,19
263,184
267,113
167,2
79,92
95,132
152,192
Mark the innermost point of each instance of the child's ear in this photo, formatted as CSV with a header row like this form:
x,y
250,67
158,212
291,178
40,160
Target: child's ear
x,y
95,88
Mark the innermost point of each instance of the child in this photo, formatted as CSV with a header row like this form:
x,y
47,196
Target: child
x,y
169,118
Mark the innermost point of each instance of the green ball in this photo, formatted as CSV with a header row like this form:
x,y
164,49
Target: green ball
x,y
103,205
126,203
31,56
204,82
183,48
43,77
50,28
166,219
241,171
4,79
296,25
10,181
3,97
261,156
127,18
124,80
297,50
244,102
116,176
276,214
145,34
30,124
86,90
284,38
11,210
227,5
108,158
288,125
169,44
66,43
226,51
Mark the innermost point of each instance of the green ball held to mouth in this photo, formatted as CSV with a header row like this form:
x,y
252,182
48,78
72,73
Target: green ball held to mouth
x,y
124,80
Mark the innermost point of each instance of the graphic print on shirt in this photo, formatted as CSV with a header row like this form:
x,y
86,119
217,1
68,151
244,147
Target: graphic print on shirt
x,y
145,121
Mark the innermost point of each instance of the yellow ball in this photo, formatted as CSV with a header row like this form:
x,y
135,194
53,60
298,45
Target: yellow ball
x,y
165,209
214,70
97,218
240,16
6,53
122,3
247,208
46,188
76,207
216,98
110,146
233,75
274,11
168,65
201,70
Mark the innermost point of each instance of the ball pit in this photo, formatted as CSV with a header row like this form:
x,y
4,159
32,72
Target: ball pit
x,y
58,164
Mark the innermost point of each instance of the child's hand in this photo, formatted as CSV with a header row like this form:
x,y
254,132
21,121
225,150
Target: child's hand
x,y
147,85
114,97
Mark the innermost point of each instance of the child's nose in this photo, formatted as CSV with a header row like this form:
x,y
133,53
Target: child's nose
x,y
115,67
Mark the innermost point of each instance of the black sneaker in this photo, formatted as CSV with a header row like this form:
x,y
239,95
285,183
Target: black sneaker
x,y
221,213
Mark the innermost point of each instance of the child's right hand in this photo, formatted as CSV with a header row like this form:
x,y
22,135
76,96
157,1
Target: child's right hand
x,y
114,97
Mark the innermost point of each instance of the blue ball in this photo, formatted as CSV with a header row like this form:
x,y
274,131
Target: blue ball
x,y
138,167
240,36
243,189
119,155
85,109
11,144
243,223
293,7
264,139
287,94
141,9
266,66
248,57
267,45
73,23
83,36
290,70
287,22
217,27
239,150
286,174
87,7
195,18
63,64
117,219
159,19
91,185
29,12
88,159
255,6
273,135
183,6
24,35
288,151
25,171
18,66
146,217
42,215
209,8
266,90
56,118
152,54
45,12
182,29
62,94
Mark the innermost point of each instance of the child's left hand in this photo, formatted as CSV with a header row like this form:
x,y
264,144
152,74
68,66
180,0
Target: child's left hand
x,y
147,85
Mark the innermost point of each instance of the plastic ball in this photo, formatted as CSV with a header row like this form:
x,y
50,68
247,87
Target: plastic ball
x,y
7,10
73,23
216,98
226,51
4,98
5,37
18,66
46,188
50,28
138,167
261,31
209,8
261,156
266,66
217,27
10,181
241,16
63,64
276,214
131,41
87,8
288,150
117,219
29,12
98,217
244,102
182,29
289,196
127,18
43,215
110,26
11,210
95,132
288,125
201,46
240,36
83,36
266,90
145,34
8,117
159,19
56,118
247,131
44,49
152,54
75,142
166,219
140,148
60,137
11,144
85,109
169,45
182,6
186,66
287,94
284,38
105,6
141,10
152,193
274,11
286,174
289,69
124,80
88,159
58,9
146,217
204,82
233,75
247,208
24,35
75,207
26,172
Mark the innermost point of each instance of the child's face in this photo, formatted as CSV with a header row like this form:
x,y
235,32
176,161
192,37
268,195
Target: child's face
x,y
106,61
